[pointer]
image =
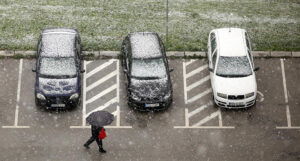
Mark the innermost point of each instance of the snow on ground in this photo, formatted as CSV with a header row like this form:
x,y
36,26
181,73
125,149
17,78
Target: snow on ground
x,y
103,24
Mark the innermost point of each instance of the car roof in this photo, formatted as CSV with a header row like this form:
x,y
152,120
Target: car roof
x,y
231,41
58,42
145,45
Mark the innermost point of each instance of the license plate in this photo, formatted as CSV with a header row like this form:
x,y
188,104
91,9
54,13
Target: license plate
x,y
58,105
152,105
236,104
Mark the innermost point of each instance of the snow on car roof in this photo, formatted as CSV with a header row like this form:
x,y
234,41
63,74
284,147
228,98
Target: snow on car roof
x,y
145,45
58,43
231,41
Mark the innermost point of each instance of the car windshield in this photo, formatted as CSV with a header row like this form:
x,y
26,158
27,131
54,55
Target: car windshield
x,y
153,68
58,67
233,66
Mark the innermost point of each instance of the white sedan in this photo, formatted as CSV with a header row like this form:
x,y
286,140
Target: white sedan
x,y
231,67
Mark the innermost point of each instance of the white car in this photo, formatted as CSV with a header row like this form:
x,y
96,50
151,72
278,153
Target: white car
x,y
231,67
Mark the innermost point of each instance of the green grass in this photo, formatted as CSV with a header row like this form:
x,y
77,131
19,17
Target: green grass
x,y
272,25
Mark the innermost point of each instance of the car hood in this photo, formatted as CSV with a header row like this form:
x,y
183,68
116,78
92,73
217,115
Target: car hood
x,y
150,88
235,86
58,86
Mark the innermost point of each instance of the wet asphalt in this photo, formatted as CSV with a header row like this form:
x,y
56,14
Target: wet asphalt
x,y
268,131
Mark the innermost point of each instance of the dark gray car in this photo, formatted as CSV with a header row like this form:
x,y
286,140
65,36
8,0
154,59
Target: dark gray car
x,y
58,68
145,64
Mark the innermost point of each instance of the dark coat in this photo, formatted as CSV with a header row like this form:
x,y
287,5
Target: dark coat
x,y
95,131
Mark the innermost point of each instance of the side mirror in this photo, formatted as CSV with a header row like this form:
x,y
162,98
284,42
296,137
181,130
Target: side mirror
x,y
82,71
211,69
256,69
125,70
171,70
33,69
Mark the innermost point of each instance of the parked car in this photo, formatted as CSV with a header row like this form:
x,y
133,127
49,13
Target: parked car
x,y
231,67
58,68
145,65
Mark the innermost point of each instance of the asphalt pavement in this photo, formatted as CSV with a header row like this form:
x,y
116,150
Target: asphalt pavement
x,y
192,129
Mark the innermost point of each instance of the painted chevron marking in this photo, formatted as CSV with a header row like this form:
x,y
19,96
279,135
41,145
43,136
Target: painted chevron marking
x,y
100,81
207,118
198,83
196,71
99,68
104,92
199,96
190,114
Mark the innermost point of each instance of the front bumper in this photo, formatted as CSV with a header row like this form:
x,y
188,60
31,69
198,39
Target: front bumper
x,y
57,102
241,103
142,105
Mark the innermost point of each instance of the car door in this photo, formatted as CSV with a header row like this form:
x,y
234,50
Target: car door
x,y
213,57
248,44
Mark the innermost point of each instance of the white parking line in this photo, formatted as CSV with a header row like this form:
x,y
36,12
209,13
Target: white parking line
x,y
198,96
94,71
104,92
199,109
114,100
288,115
198,83
100,81
18,99
198,70
187,88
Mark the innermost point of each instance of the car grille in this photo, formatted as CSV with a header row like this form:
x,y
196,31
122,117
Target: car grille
x,y
236,97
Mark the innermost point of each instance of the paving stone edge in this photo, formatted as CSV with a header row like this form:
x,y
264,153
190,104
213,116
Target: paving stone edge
x,y
182,54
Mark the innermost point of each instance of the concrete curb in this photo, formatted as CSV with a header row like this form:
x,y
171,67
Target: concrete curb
x,y
179,54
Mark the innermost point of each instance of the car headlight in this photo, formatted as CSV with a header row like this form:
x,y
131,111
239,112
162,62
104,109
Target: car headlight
x,y
167,96
135,97
40,96
74,96
249,95
222,95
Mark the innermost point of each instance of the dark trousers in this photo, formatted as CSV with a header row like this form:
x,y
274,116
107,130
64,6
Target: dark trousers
x,y
92,139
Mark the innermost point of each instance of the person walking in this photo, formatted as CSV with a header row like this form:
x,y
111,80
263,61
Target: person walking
x,y
95,137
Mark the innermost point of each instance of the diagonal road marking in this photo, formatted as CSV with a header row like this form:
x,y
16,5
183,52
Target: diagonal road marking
x,y
113,100
199,96
100,81
207,118
102,66
196,71
190,62
104,92
190,114
198,83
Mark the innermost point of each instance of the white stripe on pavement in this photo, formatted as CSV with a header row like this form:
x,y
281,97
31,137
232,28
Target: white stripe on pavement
x,y
100,81
207,118
199,96
102,66
199,109
113,100
198,83
104,92
190,62
198,70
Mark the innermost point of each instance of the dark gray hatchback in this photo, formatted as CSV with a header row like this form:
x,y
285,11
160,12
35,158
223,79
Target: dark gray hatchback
x,y
144,61
58,68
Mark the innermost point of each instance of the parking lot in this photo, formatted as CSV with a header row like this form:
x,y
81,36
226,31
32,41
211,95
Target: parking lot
x,y
191,129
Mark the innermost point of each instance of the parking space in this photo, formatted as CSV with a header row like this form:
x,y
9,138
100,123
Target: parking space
x,y
192,122
200,111
8,95
101,90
